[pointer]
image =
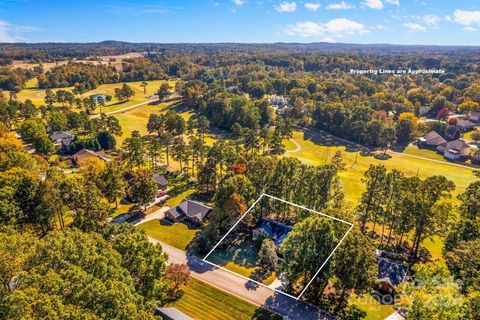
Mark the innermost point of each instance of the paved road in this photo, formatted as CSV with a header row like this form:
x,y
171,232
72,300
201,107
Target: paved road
x,y
298,147
126,108
242,288
157,215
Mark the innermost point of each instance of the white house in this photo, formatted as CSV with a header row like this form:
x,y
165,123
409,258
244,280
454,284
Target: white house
x,y
454,150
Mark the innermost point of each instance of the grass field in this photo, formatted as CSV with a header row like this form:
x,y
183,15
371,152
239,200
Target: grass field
x,y
374,309
37,95
317,149
175,201
178,235
204,302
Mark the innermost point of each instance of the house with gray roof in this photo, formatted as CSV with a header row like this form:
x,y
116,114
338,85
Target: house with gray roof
x,y
62,139
161,181
465,125
390,274
273,230
431,140
455,150
189,209
474,117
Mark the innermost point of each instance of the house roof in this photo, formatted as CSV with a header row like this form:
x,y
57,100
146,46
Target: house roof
x,y
86,153
391,271
475,115
275,230
433,138
172,314
160,179
60,135
191,209
458,145
465,123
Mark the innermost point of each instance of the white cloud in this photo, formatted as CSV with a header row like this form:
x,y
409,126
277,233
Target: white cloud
x,y
373,4
332,29
412,27
397,2
239,2
286,7
340,6
5,35
467,18
312,6
10,32
470,29
431,19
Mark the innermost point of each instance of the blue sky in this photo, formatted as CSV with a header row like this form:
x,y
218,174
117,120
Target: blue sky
x,y
445,22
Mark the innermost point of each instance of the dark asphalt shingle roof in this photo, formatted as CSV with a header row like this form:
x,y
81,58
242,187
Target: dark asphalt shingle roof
x,y
392,271
275,230
433,138
160,179
191,209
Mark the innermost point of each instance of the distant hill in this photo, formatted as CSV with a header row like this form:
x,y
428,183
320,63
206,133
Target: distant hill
x,y
50,50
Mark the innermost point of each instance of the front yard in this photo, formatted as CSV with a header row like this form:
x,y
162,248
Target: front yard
x,y
204,302
178,235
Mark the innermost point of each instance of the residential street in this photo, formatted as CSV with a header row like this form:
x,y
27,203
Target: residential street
x,y
242,288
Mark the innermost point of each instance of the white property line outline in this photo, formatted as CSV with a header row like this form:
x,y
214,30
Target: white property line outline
x,y
295,205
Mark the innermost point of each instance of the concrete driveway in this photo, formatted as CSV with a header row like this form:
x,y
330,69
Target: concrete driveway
x,y
157,215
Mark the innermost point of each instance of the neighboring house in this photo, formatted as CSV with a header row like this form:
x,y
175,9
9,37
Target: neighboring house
x,y
86,153
273,230
465,125
278,101
161,181
431,140
98,97
454,150
192,210
62,139
474,117
172,314
390,275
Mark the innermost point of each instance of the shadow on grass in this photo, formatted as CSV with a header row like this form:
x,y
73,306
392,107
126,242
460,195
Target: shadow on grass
x,y
241,252
262,314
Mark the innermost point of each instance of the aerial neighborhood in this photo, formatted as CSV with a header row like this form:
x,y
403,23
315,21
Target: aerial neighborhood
x,y
187,175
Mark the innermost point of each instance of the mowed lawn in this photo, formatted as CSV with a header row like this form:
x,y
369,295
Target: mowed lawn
x,y
178,235
374,309
204,302
37,95
317,150
137,118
